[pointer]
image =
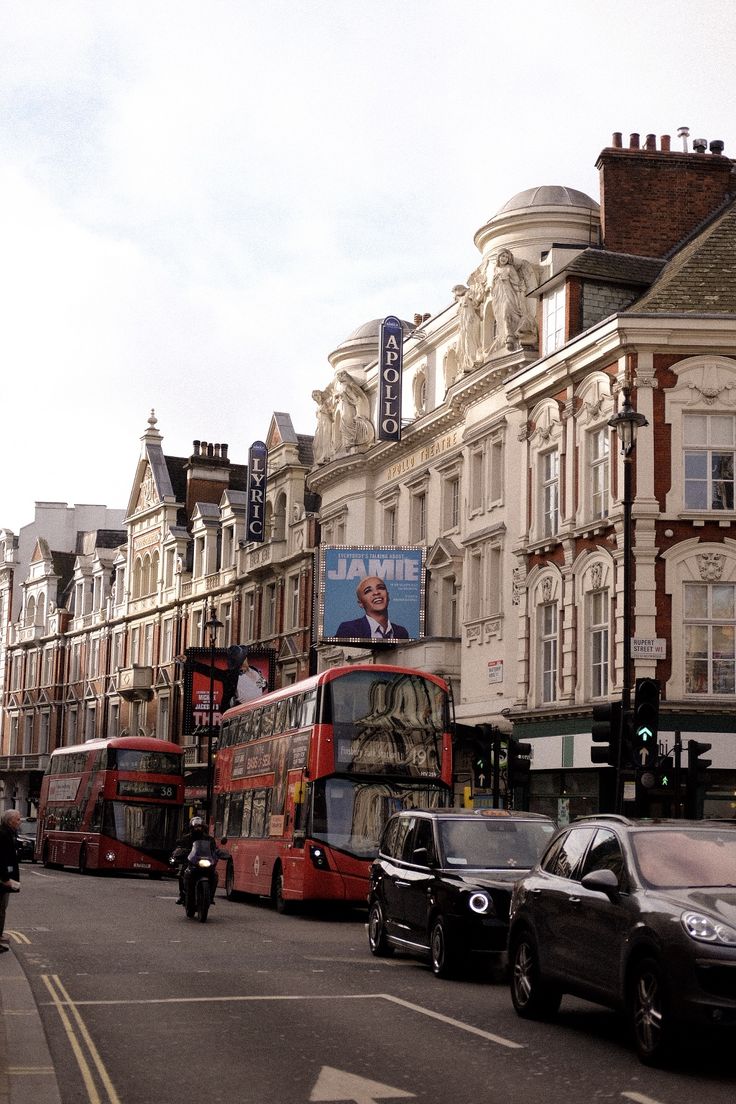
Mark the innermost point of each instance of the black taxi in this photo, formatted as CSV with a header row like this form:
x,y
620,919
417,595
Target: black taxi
x,y
441,884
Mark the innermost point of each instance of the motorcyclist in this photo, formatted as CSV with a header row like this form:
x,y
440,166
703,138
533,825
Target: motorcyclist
x,y
197,831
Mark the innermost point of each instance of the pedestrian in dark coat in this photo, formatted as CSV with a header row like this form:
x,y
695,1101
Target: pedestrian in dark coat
x,y
9,873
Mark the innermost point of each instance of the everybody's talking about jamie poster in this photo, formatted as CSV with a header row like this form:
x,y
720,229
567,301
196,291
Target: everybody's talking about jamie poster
x,y
371,596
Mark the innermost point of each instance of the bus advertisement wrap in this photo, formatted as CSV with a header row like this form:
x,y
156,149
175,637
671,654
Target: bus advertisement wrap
x,y
371,596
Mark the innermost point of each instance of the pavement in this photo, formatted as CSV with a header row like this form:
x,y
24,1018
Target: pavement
x,y
27,1074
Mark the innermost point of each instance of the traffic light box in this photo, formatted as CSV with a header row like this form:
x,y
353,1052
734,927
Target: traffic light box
x,y
646,722
696,776
606,731
484,747
518,763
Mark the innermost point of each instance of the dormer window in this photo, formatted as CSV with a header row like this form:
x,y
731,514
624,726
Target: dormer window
x,y
553,333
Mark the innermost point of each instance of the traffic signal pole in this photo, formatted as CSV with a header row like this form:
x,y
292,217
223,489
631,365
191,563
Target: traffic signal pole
x,y
626,681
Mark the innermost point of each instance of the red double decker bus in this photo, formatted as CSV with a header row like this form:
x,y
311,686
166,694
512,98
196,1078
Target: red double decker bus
x,y
112,805
306,777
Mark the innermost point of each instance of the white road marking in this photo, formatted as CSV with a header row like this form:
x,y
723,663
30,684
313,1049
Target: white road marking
x,y
335,1084
489,1035
639,1098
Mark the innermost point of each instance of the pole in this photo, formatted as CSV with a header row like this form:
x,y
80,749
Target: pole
x,y
626,674
210,727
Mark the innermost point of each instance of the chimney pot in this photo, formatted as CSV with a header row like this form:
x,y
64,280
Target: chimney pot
x,y
633,141
684,133
224,451
664,142
700,145
616,140
716,147
651,141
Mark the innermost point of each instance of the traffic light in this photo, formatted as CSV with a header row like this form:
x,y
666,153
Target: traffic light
x,y
646,722
519,762
484,744
665,774
696,775
606,730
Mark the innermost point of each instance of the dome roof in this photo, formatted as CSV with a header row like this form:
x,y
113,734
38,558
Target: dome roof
x,y
548,195
372,330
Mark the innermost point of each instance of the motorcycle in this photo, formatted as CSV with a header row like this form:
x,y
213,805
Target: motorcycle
x,y
200,878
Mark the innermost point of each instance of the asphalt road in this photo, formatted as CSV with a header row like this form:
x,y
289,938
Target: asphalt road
x,y
140,1004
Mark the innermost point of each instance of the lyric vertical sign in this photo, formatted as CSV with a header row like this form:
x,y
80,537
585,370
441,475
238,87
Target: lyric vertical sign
x,y
257,470
391,355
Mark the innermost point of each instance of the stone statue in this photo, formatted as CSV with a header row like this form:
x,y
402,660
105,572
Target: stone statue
x,y
353,425
516,324
469,306
323,437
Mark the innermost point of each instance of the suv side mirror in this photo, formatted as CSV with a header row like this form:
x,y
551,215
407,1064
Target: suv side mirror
x,y
602,881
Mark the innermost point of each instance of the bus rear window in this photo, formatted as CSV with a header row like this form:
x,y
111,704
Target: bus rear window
x,y
144,762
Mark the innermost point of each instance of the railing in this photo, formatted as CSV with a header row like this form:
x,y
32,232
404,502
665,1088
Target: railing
x,y
23,762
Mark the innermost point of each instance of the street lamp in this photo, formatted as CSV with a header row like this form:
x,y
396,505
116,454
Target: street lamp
x,y
212,626
626,423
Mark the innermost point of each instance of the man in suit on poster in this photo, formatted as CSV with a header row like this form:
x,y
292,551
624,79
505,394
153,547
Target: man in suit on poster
x,y
373,597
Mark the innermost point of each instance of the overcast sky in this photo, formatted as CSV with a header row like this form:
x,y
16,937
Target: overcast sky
x,y
202,198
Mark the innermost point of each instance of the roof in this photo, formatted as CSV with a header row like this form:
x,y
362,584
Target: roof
x,y
548,195
624,268
700,277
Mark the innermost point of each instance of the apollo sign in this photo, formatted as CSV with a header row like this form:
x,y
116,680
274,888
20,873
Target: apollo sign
x,y
257,468
390,363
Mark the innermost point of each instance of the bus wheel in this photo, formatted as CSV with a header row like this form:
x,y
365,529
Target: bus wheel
x,y
82,864
277,892
230,881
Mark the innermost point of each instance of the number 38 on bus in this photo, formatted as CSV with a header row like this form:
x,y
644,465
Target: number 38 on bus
x,y
306,777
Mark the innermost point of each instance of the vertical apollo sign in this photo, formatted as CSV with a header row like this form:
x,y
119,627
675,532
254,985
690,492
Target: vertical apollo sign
x,y
391,354
257,469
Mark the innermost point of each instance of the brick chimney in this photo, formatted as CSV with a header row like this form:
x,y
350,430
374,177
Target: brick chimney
x,y
208,474
653,198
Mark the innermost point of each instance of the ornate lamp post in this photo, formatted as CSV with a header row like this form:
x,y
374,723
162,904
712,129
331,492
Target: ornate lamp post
x,y
626,423
212,625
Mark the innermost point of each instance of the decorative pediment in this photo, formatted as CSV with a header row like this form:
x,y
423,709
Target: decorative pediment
x,y
163,679
289,649
28,702
112,685
444,553
43,698
147,494
89,692
72,698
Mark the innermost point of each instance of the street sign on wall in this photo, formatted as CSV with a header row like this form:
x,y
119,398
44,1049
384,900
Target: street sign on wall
x,y
648,647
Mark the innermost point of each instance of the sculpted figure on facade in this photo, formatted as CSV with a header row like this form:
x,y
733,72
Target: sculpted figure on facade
x,y
470,299
323,437
516,325
353,425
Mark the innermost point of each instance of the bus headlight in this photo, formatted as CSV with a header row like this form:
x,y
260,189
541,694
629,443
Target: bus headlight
x,y
110,856
480,903
318,857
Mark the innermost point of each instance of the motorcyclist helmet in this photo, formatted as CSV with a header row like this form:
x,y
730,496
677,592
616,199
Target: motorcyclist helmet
x,y
196,822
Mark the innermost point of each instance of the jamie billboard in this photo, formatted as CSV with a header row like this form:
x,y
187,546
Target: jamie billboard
x,y
371,596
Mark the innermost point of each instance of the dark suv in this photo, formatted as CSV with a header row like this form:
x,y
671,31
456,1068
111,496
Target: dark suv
x,y
441,884
636,915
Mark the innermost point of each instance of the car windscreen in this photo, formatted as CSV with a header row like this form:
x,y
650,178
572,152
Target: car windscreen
x,y
681,857
493,844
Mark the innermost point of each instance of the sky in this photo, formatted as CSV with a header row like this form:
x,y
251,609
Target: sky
x,y
201,199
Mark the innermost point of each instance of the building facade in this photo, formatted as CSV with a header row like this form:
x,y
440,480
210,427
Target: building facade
x,y
507,473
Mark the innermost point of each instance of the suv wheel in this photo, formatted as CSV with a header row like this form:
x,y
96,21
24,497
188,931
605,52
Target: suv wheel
x,y
533,998
379,945
649,1014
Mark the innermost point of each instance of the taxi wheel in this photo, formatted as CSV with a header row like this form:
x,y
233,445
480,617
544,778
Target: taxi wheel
x,y
379,945
445,957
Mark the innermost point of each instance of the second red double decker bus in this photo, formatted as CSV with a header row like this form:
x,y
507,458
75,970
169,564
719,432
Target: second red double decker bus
x,y
306,777
112,805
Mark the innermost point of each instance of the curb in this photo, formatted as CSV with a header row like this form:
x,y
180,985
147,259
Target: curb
x,y
27,1074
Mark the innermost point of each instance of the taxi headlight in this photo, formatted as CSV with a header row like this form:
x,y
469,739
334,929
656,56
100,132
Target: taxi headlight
x,y
480,903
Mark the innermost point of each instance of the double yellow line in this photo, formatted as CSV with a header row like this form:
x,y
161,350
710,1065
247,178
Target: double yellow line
x,y
100,1088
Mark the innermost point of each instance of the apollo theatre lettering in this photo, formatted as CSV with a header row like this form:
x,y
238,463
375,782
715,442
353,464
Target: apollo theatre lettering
x,y
391,352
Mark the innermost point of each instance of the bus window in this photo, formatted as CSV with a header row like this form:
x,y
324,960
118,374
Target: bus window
x,y
282,716
247,809
255,724
309,709
96,819
267,720
258,816
235,815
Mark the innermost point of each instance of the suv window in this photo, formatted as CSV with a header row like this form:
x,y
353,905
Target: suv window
x,y
388,843
564,860
605,854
